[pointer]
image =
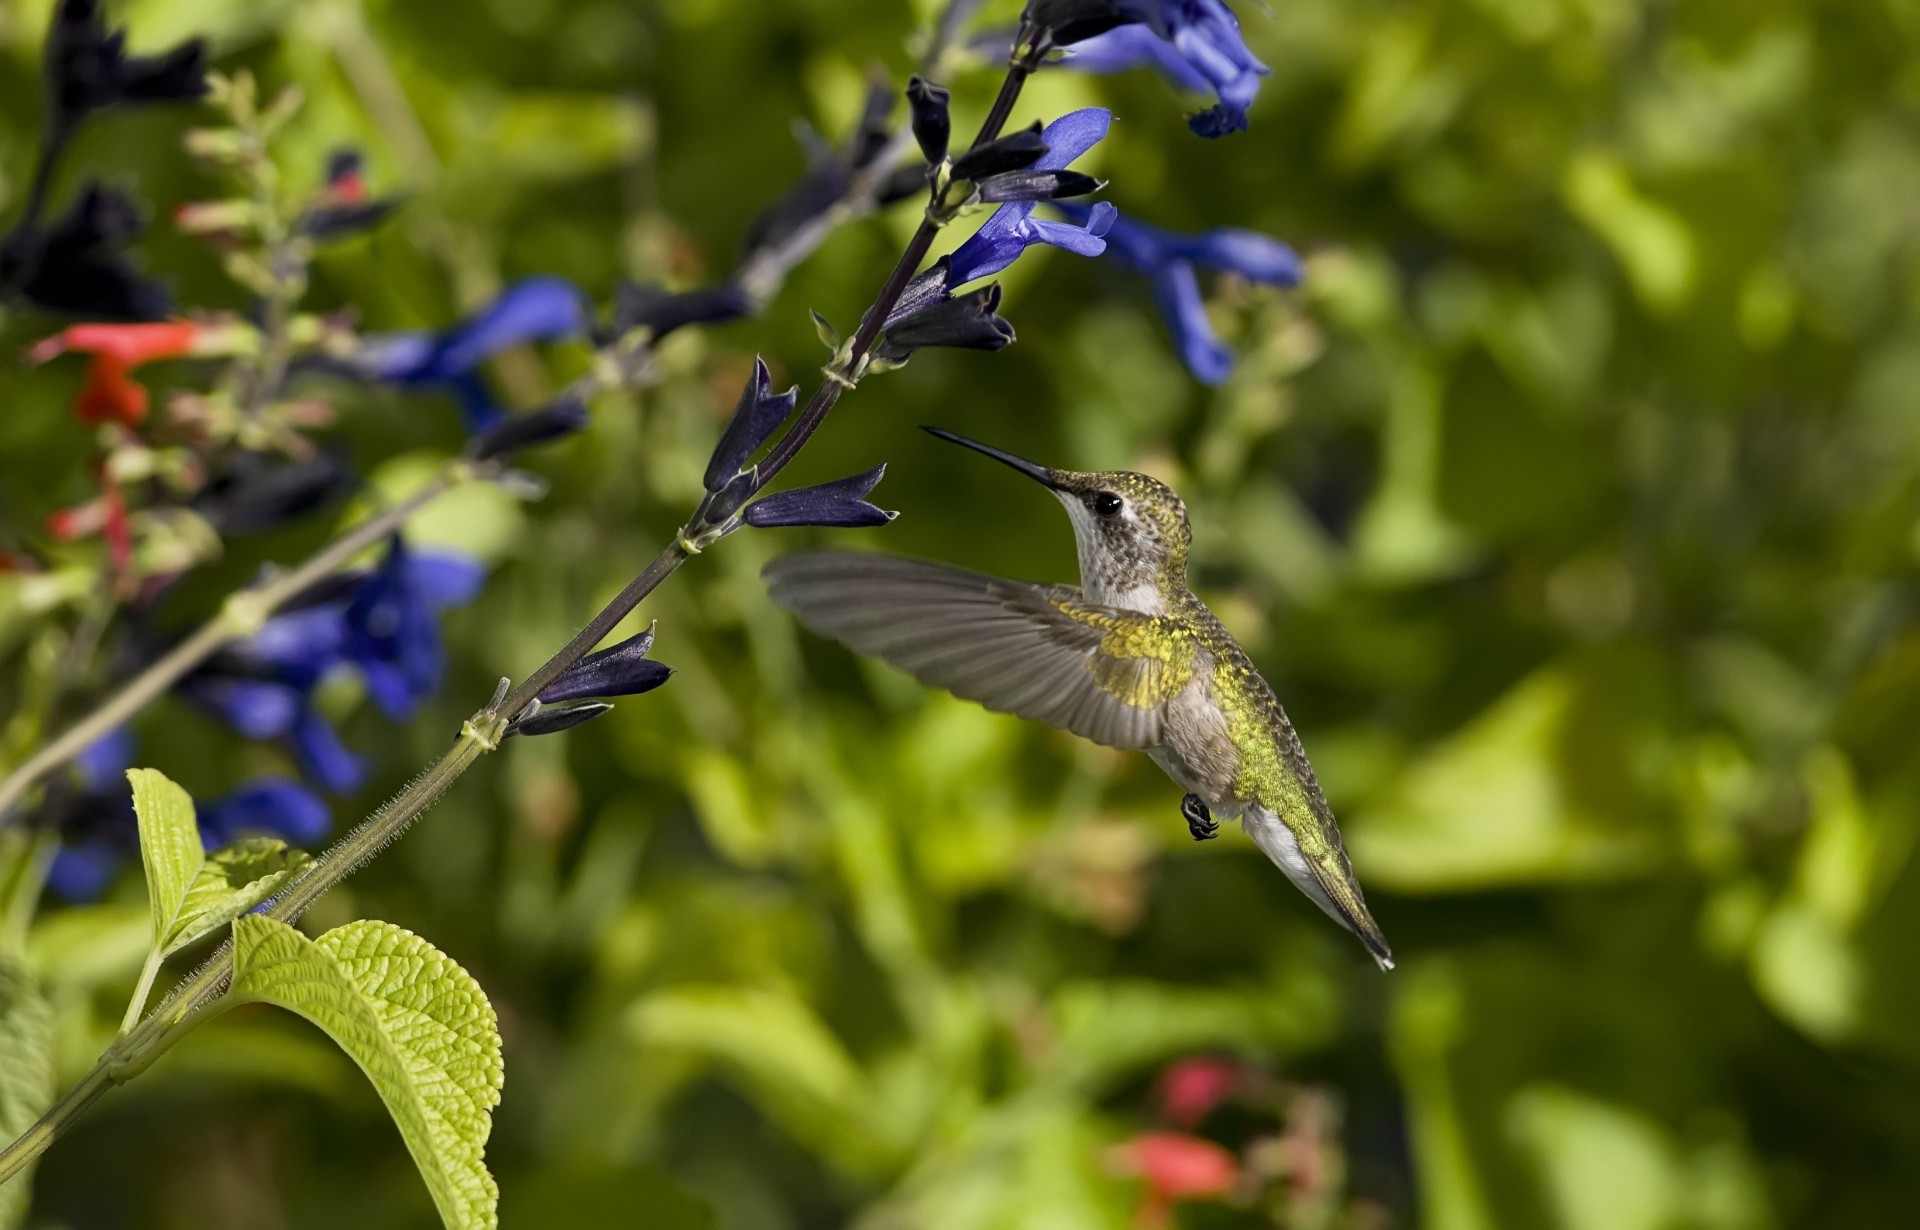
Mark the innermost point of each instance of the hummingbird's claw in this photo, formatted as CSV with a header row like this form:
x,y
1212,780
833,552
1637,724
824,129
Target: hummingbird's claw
x,y
1200,821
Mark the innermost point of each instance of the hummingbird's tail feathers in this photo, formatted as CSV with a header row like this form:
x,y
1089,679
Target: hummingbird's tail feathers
x,y
1032,650
1327,880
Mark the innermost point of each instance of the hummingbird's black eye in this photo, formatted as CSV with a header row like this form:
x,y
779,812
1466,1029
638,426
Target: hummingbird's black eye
x,y
1107,504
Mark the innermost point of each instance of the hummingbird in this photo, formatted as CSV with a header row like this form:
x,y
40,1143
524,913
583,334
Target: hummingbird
x,y
1129,658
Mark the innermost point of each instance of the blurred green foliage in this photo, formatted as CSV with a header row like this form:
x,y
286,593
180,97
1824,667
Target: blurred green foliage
x,y
1572,507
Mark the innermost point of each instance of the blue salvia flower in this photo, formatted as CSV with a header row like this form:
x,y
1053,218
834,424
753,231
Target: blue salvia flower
x,y
392,625
1013,229
274,806
1196,44
99,833
97,826
533,310
1169,259
385,626
263,687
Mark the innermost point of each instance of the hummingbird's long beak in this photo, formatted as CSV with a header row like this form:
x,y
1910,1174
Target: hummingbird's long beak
x,y
1038,473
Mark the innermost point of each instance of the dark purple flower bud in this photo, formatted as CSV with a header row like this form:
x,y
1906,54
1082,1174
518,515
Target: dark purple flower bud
x,y
520,431
831,504
1014,152
553,721
76,263
1068,21
624,670
758,415
1037,186
932,126
253,494
87,67
662,311
968,321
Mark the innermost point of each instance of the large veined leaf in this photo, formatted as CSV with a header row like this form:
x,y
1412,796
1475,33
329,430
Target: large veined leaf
x,y
169,844
415,1022
229,883
26,1070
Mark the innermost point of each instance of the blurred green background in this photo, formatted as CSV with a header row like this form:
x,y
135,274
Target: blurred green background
x,y
1572,508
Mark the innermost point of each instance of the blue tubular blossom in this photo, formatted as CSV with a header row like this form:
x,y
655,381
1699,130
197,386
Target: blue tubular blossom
x,y
99,832
1169,259
1196,44
384,625
531,310
1013,228
97,827
392,629
274,806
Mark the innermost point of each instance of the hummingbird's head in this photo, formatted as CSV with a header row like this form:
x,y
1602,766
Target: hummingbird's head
x,y
1131,529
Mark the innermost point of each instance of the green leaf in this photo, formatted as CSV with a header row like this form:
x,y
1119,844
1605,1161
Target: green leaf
x,y
169,844
417,1024
231,882
26,1071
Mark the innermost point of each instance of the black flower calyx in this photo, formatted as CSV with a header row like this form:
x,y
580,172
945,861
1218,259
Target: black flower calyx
x,y
254,494
1036,186
544,721
839,504
969,322
88,68
662,311
1014,152
1065,22
623,670
522,431
77,263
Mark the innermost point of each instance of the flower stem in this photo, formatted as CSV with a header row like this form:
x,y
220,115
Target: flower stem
x,y
240,616
21,1154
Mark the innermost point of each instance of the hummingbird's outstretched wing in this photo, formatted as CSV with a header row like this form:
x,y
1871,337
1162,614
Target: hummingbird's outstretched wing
x,y
1042,652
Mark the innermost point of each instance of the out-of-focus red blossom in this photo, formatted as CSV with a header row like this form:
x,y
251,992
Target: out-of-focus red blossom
x,y
111,395
1191,1088
1174,1166
105,515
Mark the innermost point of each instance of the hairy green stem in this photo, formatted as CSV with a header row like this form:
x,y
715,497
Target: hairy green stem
x,y
240,616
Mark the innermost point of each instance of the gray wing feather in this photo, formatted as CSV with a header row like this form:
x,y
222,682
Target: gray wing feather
x,y
1002,643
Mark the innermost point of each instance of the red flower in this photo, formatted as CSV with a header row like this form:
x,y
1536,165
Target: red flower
x,y
111,395
105,516
1191,1088
1175,1166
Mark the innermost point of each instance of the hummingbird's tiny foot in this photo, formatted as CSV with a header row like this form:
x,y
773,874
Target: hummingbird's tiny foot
x,y
1200,821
